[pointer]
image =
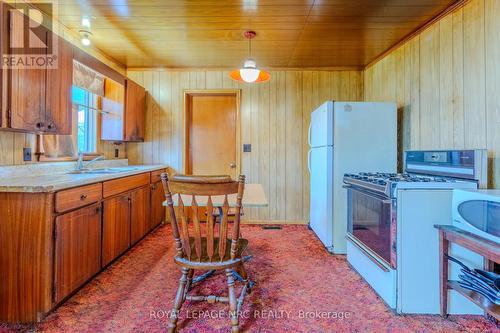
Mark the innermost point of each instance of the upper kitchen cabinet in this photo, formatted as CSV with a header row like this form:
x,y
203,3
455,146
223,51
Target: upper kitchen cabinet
x,y
39,93
58,112
135,105
123,111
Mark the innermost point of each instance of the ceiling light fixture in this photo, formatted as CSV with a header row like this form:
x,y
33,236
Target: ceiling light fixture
x,y
249,72
85,31
86,35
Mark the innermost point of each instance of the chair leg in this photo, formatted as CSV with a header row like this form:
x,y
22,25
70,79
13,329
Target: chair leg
x,y
189,282
179,299
244,275
232,302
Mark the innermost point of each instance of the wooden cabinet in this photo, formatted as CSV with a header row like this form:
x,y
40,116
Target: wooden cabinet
x,y
125,111
157,208
120,185
58,105
26,87
77,197
67,237
135,111
39,98
115,227
139,213
77,249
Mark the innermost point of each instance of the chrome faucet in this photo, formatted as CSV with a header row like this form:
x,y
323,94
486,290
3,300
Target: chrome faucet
x,y
79,163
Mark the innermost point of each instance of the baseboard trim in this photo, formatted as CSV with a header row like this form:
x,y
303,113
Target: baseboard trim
x,y
291,222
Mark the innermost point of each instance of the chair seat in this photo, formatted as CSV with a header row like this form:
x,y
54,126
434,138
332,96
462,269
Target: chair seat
x,y
216,262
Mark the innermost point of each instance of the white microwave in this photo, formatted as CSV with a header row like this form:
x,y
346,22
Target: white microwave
x,y
478,212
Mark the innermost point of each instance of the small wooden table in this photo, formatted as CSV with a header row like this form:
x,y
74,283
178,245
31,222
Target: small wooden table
x,y
253,196
488,249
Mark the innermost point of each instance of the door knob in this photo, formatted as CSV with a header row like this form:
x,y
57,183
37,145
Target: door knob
x,y
232,165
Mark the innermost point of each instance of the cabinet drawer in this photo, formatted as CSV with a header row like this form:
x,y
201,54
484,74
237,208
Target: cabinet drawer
x,y
78,197
155,175
116,186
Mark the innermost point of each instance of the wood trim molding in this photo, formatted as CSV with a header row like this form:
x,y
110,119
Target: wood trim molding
x,y
94,63
284,222
193,92
208,69
454,6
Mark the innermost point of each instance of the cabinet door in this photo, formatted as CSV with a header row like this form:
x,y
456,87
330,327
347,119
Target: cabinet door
x,y
139,216
58,108
135,105
77,249
157,208
26,86
116,227
112,120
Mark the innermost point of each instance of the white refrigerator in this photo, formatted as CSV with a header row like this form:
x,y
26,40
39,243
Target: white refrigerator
x,y
346,137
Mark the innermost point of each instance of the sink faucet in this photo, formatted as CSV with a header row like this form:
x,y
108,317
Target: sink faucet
x,y
79,163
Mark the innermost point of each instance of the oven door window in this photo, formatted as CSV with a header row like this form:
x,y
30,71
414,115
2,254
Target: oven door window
x,y
370,222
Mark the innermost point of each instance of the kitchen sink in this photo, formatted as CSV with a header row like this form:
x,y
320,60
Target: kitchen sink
x,y
103,170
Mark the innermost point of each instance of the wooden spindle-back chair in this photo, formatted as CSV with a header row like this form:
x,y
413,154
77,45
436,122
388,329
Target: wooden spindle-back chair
x,y
210,249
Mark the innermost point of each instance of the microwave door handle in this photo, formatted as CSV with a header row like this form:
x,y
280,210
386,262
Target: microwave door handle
x,y
309,160
309,135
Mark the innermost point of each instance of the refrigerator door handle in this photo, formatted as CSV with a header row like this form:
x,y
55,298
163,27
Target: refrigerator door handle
x,y
309,159
309,135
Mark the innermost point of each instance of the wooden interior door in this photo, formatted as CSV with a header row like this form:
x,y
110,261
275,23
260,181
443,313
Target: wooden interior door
x,y
211,134
77,249
115,227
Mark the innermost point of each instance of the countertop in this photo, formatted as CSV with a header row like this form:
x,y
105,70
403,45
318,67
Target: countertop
x,y
35,183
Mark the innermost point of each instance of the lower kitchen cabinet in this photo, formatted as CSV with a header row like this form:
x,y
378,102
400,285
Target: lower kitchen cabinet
x,y
157,208
139,214
115,227
67,237
77,249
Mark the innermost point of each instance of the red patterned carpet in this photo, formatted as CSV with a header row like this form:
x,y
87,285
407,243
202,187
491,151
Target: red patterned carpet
x,y
300,288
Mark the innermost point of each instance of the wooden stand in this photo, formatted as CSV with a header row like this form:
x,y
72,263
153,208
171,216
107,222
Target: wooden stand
x,y
488,249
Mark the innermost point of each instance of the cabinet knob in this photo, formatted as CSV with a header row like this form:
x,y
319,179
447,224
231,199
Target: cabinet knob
x,y
50,126
98,210
83,197
39,125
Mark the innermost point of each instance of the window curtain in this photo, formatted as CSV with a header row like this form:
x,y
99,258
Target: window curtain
x,y
88,79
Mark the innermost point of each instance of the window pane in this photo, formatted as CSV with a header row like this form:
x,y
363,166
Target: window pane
x,y
86,104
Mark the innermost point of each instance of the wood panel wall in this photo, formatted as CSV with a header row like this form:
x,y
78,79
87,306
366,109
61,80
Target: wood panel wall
x,y
446,81
274,119
12,143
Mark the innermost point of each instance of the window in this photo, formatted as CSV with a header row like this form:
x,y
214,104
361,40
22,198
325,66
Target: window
x,y
86,106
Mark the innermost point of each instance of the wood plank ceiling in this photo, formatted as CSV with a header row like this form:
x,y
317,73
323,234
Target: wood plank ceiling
x,y
209,33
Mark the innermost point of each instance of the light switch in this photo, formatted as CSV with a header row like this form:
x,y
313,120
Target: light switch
x,y
247,147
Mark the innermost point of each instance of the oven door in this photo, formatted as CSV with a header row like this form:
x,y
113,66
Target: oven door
x,y
371,222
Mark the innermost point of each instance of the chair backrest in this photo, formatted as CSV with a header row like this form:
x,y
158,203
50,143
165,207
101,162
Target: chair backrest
x,y
198,192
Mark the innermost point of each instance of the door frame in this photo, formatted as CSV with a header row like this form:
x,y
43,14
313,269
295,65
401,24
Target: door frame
x,y
188,93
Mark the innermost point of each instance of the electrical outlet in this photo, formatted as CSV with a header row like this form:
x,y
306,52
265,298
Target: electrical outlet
x,y
117,152
26,154
247,148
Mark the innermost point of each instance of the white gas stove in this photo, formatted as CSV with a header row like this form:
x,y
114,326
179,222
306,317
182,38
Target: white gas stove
x,y
391,239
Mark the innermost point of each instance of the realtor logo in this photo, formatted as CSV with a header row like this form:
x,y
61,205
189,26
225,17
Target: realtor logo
x,y
32,41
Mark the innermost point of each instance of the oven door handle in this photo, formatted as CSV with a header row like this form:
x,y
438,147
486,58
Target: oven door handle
x,y
382,198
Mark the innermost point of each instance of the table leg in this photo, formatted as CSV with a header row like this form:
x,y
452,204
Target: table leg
x,y
444,245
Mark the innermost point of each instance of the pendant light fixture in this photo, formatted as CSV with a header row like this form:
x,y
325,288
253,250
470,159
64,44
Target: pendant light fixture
x,y
249,72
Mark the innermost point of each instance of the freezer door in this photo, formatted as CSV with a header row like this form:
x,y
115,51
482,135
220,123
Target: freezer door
x,y
321,126
321,204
